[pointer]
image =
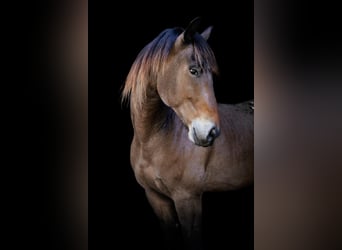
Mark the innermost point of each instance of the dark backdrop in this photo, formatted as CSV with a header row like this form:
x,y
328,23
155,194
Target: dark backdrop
x,y
119,214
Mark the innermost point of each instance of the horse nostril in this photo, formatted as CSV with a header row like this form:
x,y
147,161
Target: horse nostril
x,y
213,133
203,133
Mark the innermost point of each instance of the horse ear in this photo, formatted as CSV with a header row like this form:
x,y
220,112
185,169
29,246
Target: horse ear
x,y
188,34
206,34
191,30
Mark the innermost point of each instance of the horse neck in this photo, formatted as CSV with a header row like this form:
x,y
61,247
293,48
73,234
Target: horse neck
x,y
149,117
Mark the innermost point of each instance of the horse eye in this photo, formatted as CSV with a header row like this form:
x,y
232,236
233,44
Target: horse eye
x,y
194,71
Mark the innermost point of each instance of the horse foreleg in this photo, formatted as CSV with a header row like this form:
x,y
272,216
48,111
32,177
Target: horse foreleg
x,y
165,210
189,210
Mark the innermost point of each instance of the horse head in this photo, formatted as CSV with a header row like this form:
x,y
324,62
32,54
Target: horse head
x,y
186,84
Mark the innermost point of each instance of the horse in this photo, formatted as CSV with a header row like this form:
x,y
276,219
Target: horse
x,y
184,142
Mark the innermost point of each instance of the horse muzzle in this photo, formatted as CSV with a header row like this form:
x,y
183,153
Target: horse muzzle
x,y
203,132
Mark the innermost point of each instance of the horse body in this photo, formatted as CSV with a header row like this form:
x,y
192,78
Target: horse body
x,y
162,162
185,143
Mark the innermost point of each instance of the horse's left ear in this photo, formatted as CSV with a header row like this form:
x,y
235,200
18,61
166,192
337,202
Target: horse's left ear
x,y
206,34
191,30
187,36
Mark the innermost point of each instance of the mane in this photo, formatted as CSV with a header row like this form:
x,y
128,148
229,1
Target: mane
x,y
151,60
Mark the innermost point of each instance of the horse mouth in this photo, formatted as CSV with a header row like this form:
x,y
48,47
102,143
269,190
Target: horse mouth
x,y
204,144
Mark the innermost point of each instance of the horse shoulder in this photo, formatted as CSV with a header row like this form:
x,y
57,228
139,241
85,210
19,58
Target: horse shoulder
x,y
156,165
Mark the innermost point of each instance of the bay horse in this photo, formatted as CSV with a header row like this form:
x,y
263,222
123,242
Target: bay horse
x,y
184,142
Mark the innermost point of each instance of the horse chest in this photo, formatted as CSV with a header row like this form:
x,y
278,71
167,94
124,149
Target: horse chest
x,y
169,175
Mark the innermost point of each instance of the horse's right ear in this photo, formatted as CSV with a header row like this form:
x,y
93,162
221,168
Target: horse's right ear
x,y
206,34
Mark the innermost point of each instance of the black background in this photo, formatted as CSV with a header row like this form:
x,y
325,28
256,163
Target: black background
x,y
119,214
306,34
